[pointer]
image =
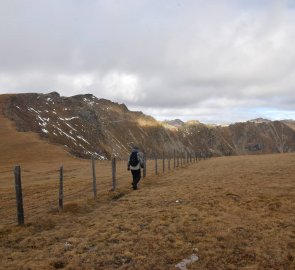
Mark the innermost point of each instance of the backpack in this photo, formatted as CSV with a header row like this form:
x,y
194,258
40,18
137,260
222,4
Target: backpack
x,y
133,160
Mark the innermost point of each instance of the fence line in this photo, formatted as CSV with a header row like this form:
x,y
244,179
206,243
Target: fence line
x,y
180,159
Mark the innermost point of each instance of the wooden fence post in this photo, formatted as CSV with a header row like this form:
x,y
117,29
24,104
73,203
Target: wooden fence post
x,y
174,161
61,187
156,165
144,166
169,163
181,159
93,176
19,196
177,159
163,162
114,182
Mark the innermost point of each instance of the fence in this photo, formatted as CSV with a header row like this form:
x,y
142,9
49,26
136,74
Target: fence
x,y
48,189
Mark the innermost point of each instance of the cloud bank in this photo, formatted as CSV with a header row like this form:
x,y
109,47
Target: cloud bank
x,y
215,61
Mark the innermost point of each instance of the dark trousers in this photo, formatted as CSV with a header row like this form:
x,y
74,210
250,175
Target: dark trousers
x,y
136,174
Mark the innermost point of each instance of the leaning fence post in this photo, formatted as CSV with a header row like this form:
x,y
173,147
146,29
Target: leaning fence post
x,y
93,176
19,196
61,184
114,174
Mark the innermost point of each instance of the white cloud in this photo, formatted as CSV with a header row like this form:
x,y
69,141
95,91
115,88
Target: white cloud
x,y
191,59
122,86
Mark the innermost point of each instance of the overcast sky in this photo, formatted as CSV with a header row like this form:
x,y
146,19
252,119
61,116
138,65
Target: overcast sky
x,y
217,61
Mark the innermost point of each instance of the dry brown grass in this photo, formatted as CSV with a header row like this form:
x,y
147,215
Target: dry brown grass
x,y
234,212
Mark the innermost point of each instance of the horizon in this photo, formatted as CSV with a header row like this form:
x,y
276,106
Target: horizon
x,y
214,61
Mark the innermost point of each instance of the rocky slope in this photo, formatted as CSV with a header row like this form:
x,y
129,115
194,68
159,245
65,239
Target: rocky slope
x,y
90,126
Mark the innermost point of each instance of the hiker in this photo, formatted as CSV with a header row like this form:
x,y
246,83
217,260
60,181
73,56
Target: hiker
x,y
135,163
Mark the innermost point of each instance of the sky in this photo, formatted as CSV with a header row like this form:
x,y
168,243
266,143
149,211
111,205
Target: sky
x,y
216,61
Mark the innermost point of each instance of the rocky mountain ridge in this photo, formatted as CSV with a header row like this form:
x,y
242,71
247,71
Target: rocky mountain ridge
x,y
89,126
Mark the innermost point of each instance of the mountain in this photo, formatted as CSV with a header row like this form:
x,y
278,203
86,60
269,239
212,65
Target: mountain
x,y
174,123
260,120
290,123
88,126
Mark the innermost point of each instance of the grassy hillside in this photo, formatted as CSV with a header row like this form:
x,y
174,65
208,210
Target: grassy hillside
x,y
233,212
24,147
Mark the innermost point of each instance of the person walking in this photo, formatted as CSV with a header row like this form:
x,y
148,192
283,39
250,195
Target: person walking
x,y
135,163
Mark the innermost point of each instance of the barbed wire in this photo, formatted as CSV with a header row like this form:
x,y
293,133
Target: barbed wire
x,y
75,186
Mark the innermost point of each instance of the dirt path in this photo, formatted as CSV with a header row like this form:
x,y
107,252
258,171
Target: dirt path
x,y
234,213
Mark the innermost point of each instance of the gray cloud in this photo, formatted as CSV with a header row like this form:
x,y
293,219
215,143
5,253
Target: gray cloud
x,y
216,61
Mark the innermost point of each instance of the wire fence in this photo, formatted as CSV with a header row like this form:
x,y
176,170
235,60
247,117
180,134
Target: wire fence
x,y
45,189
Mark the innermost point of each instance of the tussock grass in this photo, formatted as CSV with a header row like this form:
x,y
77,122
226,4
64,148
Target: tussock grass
x,y
233,212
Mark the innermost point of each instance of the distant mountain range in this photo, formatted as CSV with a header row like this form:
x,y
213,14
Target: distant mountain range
x,y
89,126
174,123
260,120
